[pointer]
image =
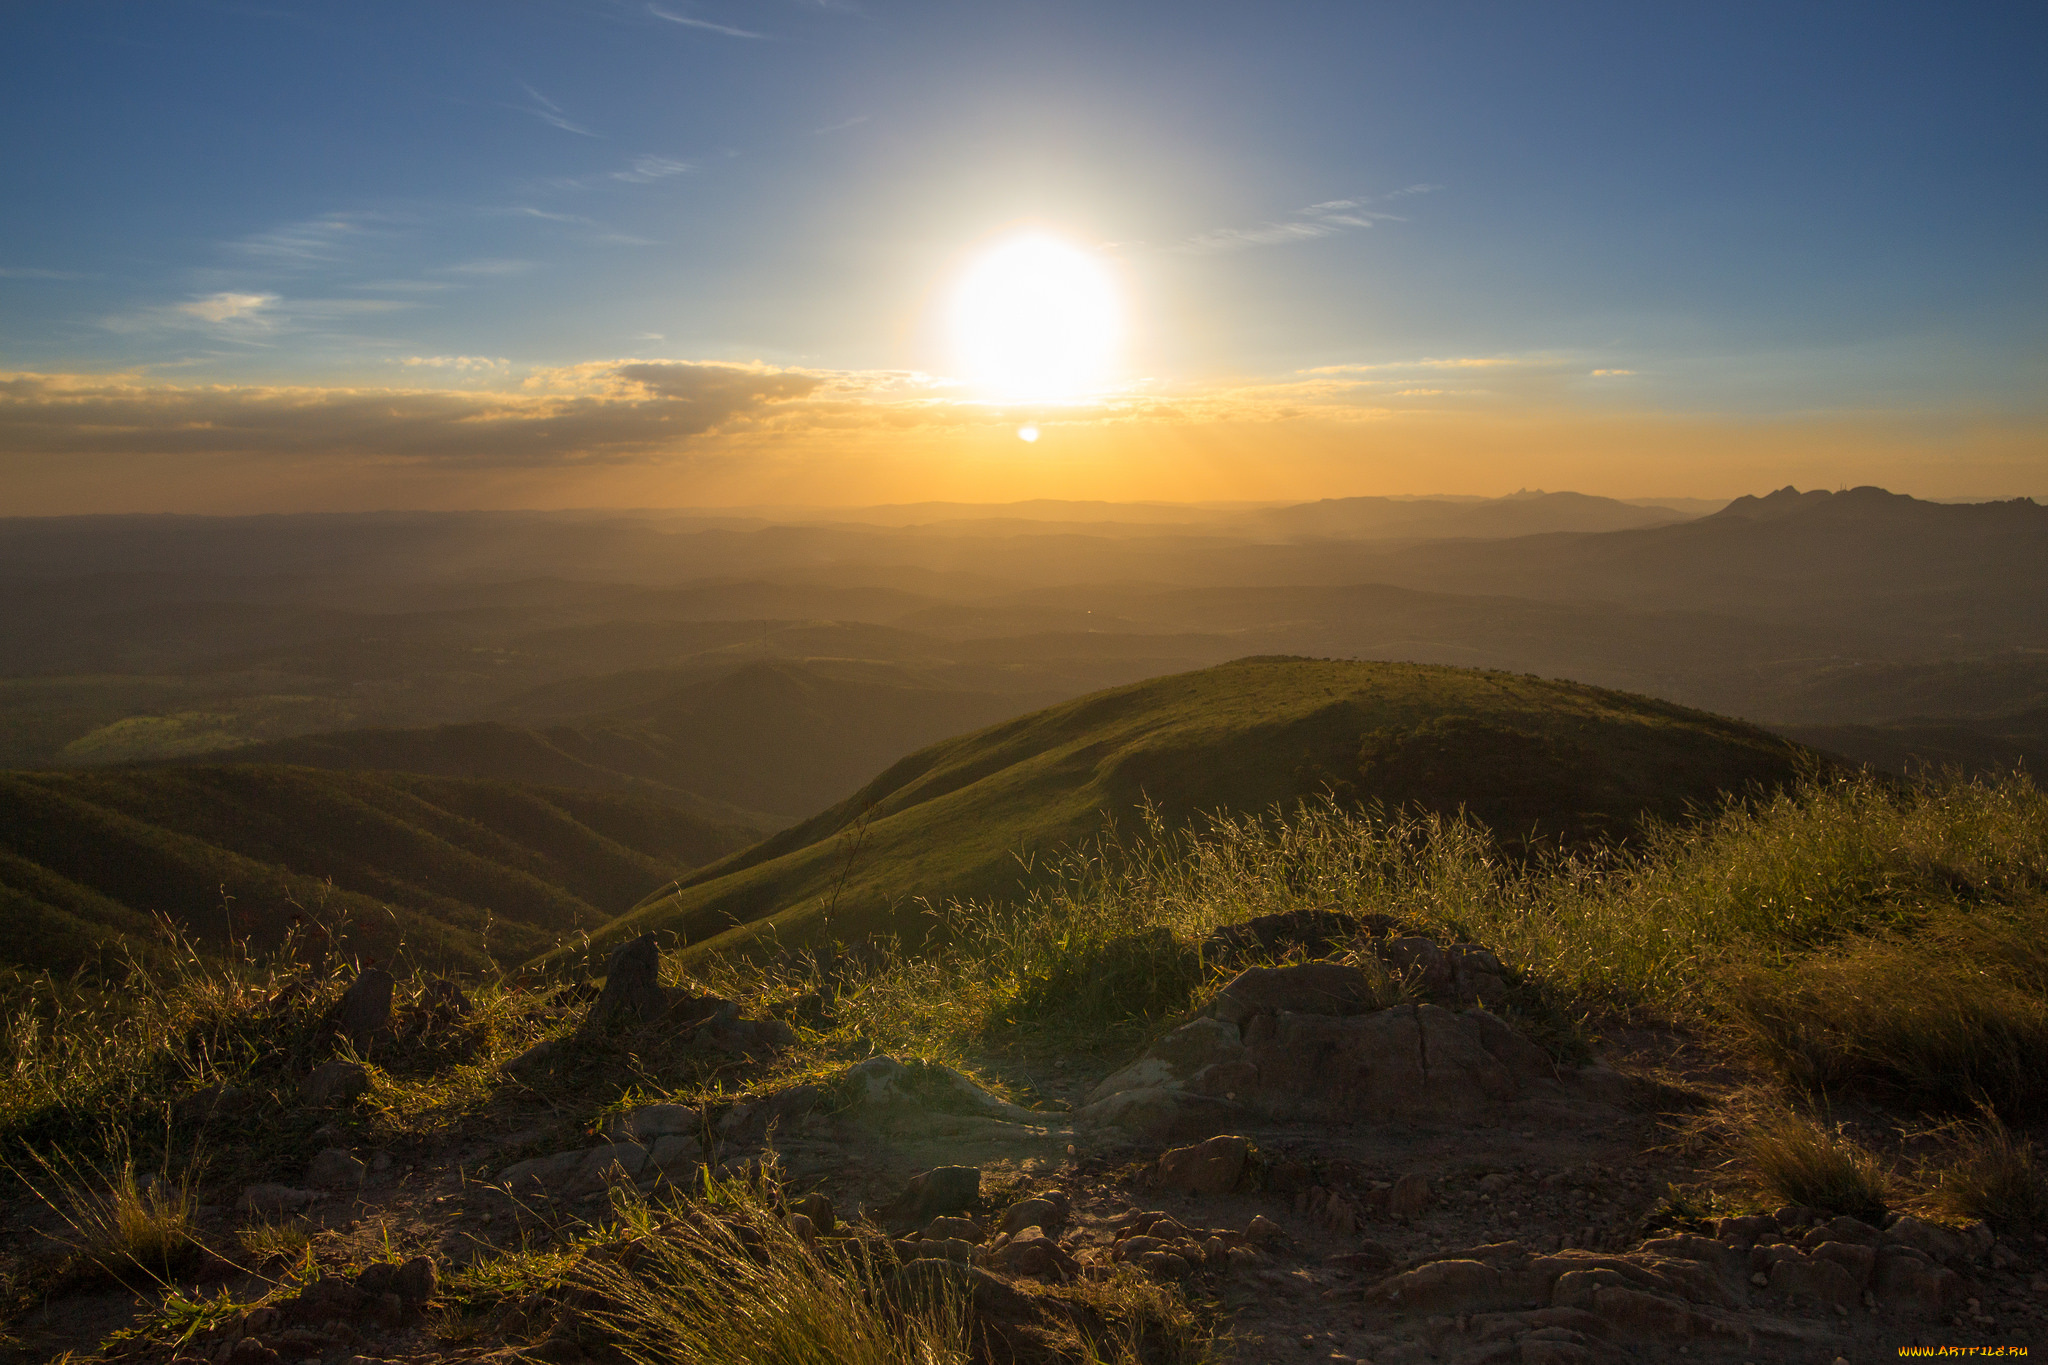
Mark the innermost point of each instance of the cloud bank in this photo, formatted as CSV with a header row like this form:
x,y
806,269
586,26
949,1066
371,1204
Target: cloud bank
x,y
609,411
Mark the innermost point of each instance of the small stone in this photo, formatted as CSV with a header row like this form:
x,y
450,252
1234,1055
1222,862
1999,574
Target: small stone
x,y
1409,1195
944,1189
363,1014
335,1169
416,1280
335,1082
1262,1230
1035,1213
1759,1279
1212,1167
632,988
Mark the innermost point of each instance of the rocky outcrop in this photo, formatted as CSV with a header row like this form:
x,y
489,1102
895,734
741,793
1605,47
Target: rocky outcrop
x,y
653,1143
1308,1043
1747,1284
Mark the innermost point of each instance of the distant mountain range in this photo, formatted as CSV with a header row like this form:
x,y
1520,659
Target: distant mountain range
x,y
610,651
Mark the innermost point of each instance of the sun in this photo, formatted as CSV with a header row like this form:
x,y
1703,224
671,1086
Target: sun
x,y
1036,319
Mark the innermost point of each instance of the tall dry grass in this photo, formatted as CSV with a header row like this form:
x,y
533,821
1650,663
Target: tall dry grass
x,y
1108,948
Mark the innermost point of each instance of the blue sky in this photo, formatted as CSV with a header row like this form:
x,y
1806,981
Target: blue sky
x,y
1742,214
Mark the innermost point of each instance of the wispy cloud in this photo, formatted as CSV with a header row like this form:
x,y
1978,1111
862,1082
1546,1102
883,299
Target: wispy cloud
x,y
490,266
29,272
705,24
457,362
225,307
1326,219
311,242
550,113
1611,374
645,170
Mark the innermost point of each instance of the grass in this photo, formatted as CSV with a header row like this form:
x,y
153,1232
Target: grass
x,y
1947,1015
1997,1176
118,1218
1801,1160
725,1278
1773,890
1848,934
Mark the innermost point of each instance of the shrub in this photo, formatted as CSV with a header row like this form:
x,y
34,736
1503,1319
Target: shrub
x,y
1997,1177
1951,1016
736,1285
1801,1161
117,1218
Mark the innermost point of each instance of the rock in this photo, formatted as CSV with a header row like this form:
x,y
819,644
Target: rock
x,y
1212,1167
818,1208
1262,1230
363,1014
375,1280
251,1351
632,992
1446,1287
1047,1212
1743,1231
1319,988
946,1225
1178,1058
416,1280
674,1153
925,1282
1158,1114
1821,1279
1409,1196
335,1082
274,1199
945,1248
1935,1241
1407,1062
946,1189
1912,1284
335,1169
1420,964
1317,933
578,1172
1033,1256
651,1121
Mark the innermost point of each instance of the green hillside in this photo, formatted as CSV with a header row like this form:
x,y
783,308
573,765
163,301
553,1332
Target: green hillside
x,y
88,861
1535,759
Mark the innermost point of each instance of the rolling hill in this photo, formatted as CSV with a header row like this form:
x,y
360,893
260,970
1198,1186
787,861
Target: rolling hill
x,y
776,736
460,872
1535,759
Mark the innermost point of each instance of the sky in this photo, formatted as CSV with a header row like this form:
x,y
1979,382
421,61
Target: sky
x,y
276,256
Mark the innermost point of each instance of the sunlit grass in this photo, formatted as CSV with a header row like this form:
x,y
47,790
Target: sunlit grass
x,y
117,1217
1800,1160
1109,950
1998,1176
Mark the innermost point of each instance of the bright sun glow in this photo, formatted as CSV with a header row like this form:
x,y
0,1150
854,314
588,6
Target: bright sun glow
x,y
1036,319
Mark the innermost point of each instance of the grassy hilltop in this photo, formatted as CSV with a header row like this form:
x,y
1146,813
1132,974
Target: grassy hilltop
x,y
1534,759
